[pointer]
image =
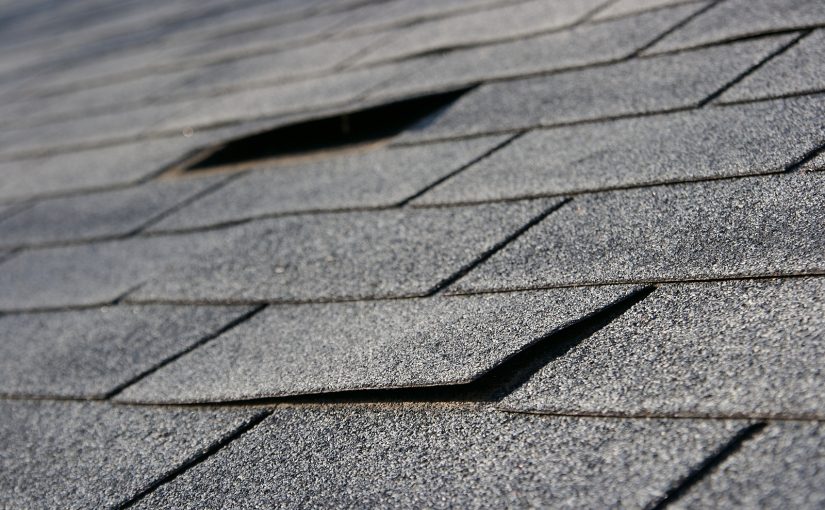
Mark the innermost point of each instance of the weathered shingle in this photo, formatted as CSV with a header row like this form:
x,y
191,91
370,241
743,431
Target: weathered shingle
x,y
703,144
355,255
733,19
739,228
74,455
647,85
90,353
798,70
99,215
438,459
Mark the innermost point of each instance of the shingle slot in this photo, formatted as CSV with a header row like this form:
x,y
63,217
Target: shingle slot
x,y
326,137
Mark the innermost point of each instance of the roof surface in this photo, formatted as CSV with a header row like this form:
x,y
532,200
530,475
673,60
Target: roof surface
x,y
397,253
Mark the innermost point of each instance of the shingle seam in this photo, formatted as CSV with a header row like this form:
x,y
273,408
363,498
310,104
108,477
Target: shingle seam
x,y
203,341
460,273
677,26
459,170
196,459
782,49
608,189
708,466
735,39
646,10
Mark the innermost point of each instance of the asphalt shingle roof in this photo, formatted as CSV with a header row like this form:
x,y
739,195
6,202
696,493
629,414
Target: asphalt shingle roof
x,y
395,253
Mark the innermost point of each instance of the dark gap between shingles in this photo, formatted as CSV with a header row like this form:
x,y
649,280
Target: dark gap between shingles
x,y
707,466
243,318
443,284
196,459
753,68
489,387
806,158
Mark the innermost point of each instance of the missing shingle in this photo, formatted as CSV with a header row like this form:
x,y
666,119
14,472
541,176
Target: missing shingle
x,y
353,131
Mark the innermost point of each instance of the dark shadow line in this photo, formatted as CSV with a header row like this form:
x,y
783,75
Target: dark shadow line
x,y
672,29
238,320
196,459
707,466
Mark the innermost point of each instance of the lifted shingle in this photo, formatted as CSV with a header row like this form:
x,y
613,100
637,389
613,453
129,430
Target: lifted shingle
x,y
299,458
299,349
90,353
74,455
760,226
746,348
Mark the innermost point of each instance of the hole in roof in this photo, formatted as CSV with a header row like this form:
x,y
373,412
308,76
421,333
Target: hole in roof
x,y
361,130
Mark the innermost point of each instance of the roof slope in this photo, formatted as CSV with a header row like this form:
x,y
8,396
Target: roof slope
x,y
394,253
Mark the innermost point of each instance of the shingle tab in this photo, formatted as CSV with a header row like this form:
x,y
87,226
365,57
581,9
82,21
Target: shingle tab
x,y
721,349
798,70
76,455
440,459
298,349
634,7
783,467
354,255
94,274
99,215
374,179
90,353
502,22
582,45
746,227
708,143
637,86
732,19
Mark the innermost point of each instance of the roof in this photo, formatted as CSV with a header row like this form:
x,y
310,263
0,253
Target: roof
x,y
394,253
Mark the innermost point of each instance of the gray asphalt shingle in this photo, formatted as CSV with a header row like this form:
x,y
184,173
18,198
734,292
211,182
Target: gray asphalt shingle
x,y
373,179
299,349
90,353
582,45
104,167
322,257
632,7
96,273
637,86
438,459
499,23
99,215
783,467
733,19
76,455
708,143
800,69
721,349
746,227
